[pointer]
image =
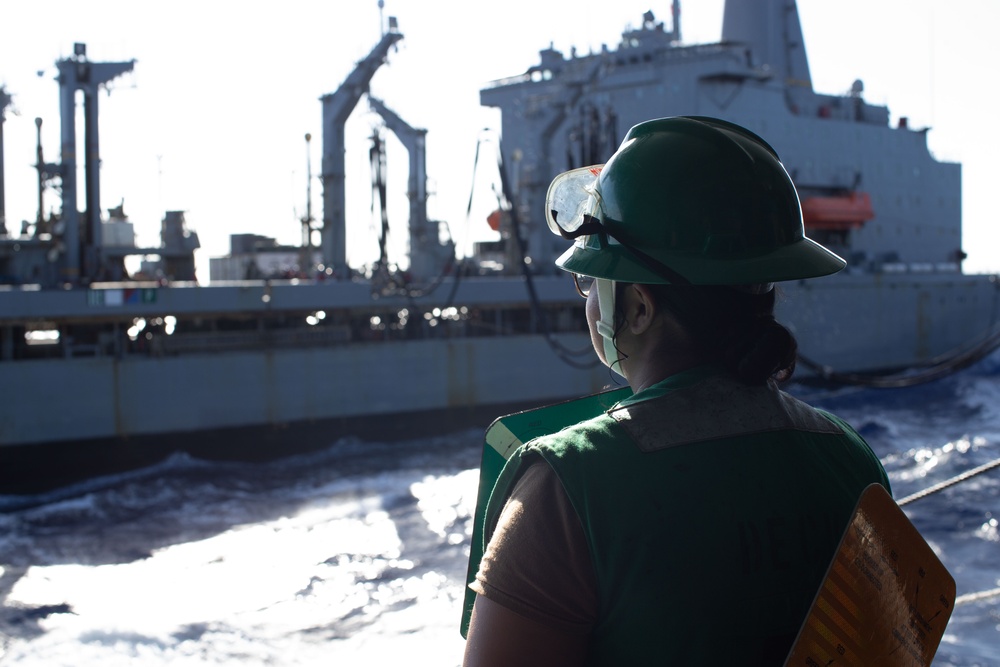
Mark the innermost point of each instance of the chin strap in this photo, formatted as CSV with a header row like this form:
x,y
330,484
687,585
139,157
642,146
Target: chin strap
x,y
606,325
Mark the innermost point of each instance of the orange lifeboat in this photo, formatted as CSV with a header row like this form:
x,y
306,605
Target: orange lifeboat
x,y
496,219
493,220
849,211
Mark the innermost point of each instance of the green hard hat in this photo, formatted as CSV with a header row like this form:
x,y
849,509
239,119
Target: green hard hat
x,y
686,200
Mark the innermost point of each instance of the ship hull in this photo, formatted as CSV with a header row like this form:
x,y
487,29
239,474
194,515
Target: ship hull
x,y
70,399
271,402
873,323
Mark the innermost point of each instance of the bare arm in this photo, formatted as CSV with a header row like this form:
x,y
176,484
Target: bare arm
x,y
537,563
499,637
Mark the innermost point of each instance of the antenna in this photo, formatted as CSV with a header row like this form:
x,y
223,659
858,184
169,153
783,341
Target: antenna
x,y
305,253
5,101
676,12
381,20
308,219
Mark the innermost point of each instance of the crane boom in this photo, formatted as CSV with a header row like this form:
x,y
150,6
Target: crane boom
x,y
337,107
428,255
415,142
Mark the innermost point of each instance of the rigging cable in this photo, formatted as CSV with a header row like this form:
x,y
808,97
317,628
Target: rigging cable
x,y
976,597
459,266
935,369
376,155
567,355
957,479
378,166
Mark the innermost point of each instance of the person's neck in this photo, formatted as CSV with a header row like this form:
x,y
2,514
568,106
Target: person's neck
x,y
644,373
657,347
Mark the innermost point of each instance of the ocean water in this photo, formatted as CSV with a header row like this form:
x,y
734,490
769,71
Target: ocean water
x,y
356,555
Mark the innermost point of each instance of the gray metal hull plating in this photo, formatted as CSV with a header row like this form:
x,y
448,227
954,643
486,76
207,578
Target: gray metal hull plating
x,y
89,398
857,323
867,323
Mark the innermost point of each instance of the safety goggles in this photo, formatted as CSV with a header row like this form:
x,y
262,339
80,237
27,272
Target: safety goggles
x,y
572,207
572,202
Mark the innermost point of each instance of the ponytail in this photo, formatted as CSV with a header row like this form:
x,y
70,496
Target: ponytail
x,y
734,327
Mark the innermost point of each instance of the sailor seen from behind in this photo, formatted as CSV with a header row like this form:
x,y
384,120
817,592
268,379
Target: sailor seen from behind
x,y
691,523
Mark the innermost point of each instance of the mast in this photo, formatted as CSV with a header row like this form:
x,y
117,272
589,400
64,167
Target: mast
x,y
675,10
79,74
5,101
337,107
40,168
305,262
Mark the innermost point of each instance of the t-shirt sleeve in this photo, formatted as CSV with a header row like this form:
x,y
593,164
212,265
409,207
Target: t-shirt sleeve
x,y
537,562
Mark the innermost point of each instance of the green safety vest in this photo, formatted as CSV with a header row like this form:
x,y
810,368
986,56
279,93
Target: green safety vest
x,y
711,511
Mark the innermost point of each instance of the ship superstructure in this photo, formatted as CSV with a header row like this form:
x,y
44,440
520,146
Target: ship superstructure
x,y
869,191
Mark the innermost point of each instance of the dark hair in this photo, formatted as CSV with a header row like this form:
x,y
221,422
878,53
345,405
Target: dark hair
x,y
733,327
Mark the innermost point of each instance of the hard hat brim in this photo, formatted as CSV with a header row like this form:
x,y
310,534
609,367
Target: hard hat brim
x,y
796,261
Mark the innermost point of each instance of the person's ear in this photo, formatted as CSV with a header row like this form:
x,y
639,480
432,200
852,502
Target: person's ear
x,y
640,308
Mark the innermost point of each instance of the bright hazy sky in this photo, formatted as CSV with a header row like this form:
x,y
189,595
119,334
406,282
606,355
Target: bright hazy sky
x,y
212,119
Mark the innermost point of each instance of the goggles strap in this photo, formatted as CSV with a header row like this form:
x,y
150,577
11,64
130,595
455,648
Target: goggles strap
x,y
606,325
592,226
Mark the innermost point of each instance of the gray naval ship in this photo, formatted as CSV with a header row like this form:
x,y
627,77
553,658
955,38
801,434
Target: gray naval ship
x,y
100,368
